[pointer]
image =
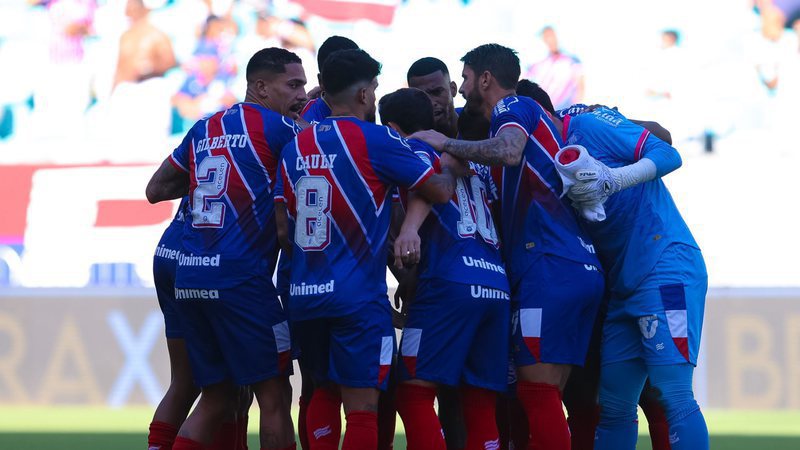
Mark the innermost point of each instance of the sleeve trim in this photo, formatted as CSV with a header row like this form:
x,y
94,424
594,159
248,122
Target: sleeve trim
x,y
637,153
176,164
423,178
515,124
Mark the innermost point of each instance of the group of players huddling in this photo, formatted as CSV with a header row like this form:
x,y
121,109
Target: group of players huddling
x,y
508,290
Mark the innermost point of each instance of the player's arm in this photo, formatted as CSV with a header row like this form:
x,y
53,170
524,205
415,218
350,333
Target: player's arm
x,y
167,183
407,244
505,149
655,128
282,225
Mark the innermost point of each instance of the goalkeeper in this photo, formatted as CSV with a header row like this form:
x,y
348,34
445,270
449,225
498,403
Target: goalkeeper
x,y
656,276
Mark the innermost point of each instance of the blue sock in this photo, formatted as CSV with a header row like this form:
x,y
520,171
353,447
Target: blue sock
x,y
687,427
620,386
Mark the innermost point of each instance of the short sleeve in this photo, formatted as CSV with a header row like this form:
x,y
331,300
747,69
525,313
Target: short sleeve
x,y
280,131
180,156
396,163
625,140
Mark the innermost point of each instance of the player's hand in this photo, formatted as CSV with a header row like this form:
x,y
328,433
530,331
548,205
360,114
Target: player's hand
x,y
594,185
314,93
406,291
406,248
433,138
458,167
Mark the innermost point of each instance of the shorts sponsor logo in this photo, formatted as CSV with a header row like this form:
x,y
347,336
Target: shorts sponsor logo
x,y
194,261
311,289
648,326
673,438
469,261
591,268
163,251
196,294
323,431
483,292
588,247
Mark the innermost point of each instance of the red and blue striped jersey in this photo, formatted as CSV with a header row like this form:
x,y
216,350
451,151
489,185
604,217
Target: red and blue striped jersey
x,y
315,111
536,219
232,159
336,179
459,240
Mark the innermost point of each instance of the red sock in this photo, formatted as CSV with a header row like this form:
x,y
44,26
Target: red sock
x,y
582,424
301,424
162,435
182,443
226,438
241,432
548,426
415,405
362,431
324,420
479,418
387,419
656,421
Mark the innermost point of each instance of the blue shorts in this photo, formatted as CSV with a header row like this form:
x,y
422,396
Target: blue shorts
x,y
354,350
557,301
239,333
662,320
164,277
456,333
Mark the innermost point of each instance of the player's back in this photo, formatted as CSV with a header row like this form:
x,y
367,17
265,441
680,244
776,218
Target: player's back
x,y
232,159
337,178
535,218
641,220
459,239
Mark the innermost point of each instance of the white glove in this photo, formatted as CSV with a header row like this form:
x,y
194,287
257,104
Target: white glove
x,y
594,185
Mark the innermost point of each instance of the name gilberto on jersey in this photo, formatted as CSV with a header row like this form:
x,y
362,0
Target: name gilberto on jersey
x,y
224,141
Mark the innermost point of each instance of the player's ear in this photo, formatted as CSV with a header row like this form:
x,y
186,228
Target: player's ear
x,y
261,88
362,96
395,127
485,79
453,89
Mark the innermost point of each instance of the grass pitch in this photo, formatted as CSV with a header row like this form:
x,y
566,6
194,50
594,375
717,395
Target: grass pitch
x,y
84,428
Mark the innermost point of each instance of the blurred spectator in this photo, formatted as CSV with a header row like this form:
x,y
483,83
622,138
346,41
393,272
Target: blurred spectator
x,y
559,74
61,101
291,34
144,51
667,64
207,88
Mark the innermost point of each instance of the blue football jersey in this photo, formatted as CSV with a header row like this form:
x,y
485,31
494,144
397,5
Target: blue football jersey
x,y
535,218
337,179
459,240
315,111
232,159
641,220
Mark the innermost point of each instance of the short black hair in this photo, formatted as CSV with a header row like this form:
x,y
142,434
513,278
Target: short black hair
x,y
502,62
333,44
426,66
528,88
410,108
346,68
473,126
272,60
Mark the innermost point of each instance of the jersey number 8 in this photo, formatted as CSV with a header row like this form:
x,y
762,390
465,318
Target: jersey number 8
x,y
312,231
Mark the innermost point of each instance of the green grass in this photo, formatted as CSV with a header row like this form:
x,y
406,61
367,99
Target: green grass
x,y
69,428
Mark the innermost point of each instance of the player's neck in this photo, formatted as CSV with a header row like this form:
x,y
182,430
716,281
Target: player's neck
x,y
347,111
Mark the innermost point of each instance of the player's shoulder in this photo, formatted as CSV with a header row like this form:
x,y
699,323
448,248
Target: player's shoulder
x,y
602,116
423,150
516,104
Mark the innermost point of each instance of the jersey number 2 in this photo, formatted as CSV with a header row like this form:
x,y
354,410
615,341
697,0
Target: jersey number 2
x,y
212,182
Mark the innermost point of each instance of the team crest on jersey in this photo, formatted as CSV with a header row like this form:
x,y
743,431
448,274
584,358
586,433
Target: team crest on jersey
x,y
648,326
502,106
